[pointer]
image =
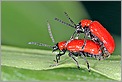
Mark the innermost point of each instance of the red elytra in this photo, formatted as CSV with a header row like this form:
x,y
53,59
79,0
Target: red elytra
x,y
98,30
76,46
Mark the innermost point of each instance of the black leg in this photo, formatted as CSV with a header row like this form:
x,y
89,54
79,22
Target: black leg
x,y
78,34
87,34
84,44
82,55
72,37
60,54
104,54
71,55
56,61
58,58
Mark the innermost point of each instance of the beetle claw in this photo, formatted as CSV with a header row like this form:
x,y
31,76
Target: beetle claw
x,y
54,64
78,67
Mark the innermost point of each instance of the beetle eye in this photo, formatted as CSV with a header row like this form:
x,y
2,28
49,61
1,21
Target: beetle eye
x,y
78,26
55,47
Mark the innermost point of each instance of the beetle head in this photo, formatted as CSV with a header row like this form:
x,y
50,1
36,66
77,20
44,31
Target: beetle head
x,y
55,47
79,28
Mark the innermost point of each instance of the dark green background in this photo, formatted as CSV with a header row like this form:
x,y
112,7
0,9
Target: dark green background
x,y
107,12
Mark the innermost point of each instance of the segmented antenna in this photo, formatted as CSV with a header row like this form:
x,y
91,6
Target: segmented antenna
x,y
64,22
40,44
70,19
50,33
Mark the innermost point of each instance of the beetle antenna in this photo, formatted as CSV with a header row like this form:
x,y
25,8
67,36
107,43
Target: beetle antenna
x,y
40,44
50,33
64,22
70,19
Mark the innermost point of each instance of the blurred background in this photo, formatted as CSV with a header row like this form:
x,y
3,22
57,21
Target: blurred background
x,y
23,22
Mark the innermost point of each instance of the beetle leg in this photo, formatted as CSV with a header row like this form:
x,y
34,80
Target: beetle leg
x,y
71,55
56,61
82,55
101,55
106,53
84,44
87,34
60,54
78,34
58,58
72,37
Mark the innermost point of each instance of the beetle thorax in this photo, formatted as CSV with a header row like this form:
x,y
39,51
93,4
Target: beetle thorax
x,y
61,45
85,23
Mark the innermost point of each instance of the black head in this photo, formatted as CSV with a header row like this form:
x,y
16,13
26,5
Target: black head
x,y
55,47
79,28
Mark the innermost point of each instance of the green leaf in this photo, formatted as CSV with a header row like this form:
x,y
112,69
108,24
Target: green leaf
x,y
33,64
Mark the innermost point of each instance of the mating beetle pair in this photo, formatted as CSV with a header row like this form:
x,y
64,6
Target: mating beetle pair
x,y
100,46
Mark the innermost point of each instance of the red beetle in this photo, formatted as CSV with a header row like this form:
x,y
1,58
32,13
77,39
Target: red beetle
x,y
95,31
74,47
